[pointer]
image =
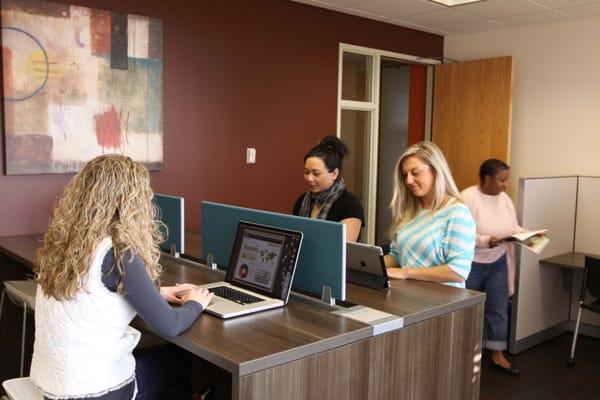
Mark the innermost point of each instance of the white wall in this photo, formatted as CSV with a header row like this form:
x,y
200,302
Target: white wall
x,y
556,94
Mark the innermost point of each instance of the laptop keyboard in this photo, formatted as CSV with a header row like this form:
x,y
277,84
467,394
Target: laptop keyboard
x,y
234,295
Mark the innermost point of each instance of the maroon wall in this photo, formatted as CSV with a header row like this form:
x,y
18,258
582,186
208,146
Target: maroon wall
x,y
237,74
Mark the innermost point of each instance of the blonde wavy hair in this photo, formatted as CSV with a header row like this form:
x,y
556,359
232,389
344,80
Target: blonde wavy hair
x,y
405,206
110,196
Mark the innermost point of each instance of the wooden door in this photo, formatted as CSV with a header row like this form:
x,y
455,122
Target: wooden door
x,y
472,105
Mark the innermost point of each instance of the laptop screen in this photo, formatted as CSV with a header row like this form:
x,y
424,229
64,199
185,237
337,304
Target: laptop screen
x,y
263,259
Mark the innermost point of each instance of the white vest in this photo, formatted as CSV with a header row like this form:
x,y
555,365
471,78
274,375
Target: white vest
x,y
83,347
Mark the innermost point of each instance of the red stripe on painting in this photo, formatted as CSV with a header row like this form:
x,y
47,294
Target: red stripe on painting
x,y
108,128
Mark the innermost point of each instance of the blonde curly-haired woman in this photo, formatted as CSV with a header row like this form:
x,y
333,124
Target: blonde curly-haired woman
x,y
433,232
97,268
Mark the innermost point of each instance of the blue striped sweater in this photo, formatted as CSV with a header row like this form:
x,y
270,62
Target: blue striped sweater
x,y
445,237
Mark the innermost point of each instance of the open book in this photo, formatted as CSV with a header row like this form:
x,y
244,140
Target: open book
x,y
533,240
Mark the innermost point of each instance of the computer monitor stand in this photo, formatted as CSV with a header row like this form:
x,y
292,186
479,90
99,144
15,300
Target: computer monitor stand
x,y
326,296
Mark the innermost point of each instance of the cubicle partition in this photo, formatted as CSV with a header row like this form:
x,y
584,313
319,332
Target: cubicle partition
x,y
587,233
172,215
322,258
545,295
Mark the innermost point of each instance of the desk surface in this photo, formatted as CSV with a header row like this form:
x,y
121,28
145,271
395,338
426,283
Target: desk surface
x,y
252,343
571,260
412,300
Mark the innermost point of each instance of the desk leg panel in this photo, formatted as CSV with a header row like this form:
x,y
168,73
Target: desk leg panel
x,y
434,359
330,375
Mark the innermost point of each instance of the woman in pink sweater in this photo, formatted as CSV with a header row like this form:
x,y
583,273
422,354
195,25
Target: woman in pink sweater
x,y
496,219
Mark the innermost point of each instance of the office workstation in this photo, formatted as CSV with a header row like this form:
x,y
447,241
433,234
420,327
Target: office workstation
x,y
220,58
260,350
548,285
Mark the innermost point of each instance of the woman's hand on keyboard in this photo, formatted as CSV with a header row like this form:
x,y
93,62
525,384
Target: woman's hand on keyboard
x,y
175,294
201,295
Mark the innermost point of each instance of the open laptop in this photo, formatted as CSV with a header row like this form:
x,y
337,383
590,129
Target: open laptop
x,y
260,273
365,266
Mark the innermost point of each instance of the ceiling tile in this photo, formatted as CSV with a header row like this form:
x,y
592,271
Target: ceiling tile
x,y
365,14
342,3
325,4
533,18
440,18
480,25
395,8
500,8
418,27
587,10
476,17
563,3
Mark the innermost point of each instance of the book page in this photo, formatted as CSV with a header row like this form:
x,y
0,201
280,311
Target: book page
x,y
523,236
536,243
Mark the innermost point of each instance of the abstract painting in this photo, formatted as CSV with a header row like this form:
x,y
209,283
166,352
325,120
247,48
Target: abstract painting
x,y
79,82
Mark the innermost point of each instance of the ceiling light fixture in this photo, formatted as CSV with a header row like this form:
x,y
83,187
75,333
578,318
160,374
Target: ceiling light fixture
x,y
452,3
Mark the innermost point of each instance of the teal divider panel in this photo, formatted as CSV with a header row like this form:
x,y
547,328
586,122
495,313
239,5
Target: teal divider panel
x,y
172,215
322,258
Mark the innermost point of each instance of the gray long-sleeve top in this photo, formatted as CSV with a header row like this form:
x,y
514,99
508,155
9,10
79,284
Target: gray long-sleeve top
x,y
145,298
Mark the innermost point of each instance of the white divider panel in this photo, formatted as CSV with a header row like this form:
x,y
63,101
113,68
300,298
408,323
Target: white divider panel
x,y
542,300
587,234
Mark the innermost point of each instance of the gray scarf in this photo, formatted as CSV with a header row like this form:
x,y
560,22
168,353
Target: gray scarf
x,y
326,198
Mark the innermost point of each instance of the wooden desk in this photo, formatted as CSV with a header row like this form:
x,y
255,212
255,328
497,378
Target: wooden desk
x,y
305,352
570,263
572,260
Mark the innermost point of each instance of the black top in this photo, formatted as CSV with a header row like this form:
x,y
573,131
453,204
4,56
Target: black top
x,y
346,206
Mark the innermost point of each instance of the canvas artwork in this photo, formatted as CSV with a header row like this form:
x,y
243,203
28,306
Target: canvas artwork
x,y
79,82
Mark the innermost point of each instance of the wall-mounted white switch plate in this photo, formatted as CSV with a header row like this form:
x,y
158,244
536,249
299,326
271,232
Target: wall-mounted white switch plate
x,y
250,155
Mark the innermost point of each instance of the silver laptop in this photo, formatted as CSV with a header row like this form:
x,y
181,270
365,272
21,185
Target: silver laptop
x,y
365,266
260,273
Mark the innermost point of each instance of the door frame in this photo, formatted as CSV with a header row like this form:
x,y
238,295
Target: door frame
x,y
370,172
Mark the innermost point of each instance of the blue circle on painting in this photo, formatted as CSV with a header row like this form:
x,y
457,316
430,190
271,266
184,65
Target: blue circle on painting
x,y
37,42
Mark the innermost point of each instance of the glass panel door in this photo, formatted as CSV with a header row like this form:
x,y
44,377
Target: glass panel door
x,y
357,77
356,124
356,133
378,128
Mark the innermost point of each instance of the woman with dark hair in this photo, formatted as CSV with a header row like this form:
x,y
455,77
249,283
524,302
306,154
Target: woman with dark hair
x,y
327,197
496,219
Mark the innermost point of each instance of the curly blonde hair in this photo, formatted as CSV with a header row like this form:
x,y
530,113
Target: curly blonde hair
x,y
110,196
404,205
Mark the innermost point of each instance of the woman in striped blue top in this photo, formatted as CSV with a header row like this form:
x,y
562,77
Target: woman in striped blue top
x,y
433,232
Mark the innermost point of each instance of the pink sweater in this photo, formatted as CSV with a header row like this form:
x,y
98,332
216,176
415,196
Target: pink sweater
x,y
494,216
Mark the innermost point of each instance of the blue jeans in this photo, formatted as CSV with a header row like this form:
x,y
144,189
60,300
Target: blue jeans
x,y
163,372
492,279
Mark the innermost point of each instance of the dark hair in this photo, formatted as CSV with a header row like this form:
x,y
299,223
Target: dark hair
x,y
331,150
491,167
